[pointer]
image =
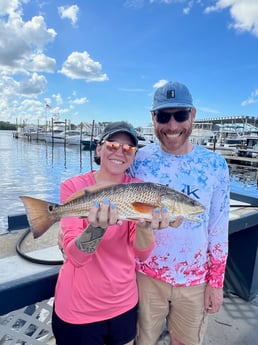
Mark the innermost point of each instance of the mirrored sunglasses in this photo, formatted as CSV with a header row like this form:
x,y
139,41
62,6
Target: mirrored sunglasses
x,y
164,117
114,146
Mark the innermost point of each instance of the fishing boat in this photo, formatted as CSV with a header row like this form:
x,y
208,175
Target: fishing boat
x,y
68,137
56,128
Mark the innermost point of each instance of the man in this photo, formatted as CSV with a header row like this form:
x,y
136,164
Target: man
x,y
182,281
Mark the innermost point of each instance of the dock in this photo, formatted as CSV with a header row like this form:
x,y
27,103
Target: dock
x,y
241,160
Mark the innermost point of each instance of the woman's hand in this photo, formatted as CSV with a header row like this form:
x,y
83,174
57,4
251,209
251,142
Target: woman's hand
x,y
160,220
103,214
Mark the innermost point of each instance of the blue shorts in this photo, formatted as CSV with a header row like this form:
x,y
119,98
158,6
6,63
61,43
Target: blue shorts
x,y
116,331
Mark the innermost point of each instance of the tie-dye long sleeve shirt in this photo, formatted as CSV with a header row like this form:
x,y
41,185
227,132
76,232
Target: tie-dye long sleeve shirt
x,y
193,253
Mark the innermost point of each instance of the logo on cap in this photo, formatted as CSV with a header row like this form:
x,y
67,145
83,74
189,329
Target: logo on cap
x,y
171,94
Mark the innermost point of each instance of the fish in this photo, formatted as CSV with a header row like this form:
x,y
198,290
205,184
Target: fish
x,y
134,201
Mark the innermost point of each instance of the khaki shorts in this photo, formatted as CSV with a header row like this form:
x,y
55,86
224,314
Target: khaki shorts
x,y
181,307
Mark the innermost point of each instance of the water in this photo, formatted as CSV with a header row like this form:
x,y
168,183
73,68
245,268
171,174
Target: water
x,y
37,169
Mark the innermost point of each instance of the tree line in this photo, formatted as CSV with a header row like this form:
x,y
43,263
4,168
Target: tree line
x,y
7,126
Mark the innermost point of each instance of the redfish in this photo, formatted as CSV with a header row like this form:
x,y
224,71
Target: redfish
x,y
133,201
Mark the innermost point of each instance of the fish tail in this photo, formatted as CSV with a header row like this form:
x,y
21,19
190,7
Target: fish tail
x,y
39,217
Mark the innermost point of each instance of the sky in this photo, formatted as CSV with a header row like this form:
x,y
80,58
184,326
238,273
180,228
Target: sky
x,y
85,60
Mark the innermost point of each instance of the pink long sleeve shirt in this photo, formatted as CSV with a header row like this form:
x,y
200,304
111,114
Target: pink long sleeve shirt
x,y
101,285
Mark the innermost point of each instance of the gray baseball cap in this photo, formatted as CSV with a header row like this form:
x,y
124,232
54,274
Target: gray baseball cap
x,y
172,95
119,127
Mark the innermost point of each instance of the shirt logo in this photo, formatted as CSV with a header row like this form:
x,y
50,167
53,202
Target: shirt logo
x,y
191,192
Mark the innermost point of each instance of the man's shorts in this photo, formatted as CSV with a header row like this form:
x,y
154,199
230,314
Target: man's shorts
x,y
181,307
119,330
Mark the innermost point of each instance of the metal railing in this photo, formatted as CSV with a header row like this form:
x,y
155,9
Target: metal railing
x,y
30,325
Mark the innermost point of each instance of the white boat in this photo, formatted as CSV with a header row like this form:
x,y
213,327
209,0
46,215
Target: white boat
x,y
248,147
69,137
73,137
228,143
142,140
201,136
53,135
29,132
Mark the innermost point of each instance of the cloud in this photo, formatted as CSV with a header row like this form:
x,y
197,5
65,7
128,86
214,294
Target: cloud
x,y
160,83
135,4
244,14
21,44
22,59
8,7
33,86
81,100
252,99
70,12
30,87
81,66
58,99
42,63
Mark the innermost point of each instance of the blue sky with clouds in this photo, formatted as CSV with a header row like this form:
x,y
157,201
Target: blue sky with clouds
x,y
102,60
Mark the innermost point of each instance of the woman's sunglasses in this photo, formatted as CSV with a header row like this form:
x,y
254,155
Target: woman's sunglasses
x,y
164,117
113,146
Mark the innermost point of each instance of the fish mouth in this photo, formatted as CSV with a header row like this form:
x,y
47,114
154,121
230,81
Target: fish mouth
x,y
199,210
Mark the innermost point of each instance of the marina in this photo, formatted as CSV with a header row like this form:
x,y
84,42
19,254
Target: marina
x,y
234,136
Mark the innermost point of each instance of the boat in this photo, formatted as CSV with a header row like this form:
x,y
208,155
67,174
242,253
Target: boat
x,y
248,147
28,132
225,145
202,136
68,137
142,140
88,142
55,134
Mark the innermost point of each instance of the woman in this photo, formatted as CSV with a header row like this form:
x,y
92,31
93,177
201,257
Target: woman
x,y
96,293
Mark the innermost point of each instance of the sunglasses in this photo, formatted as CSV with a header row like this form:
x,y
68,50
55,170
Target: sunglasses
x,y
179,116
114,146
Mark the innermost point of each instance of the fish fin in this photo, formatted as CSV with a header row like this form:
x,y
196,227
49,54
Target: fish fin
x,y
75,195
39,217
136,217
143,208
88,190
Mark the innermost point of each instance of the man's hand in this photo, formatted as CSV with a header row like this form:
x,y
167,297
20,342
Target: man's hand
x,y
213,299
